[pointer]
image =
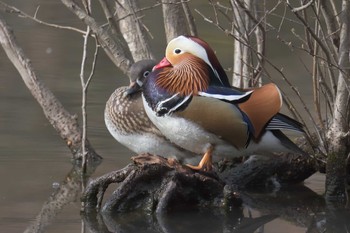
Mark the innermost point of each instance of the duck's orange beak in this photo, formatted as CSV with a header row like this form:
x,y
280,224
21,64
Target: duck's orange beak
x,y
163,63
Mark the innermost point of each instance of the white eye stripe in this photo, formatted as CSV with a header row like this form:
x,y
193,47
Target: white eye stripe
x,y
188,45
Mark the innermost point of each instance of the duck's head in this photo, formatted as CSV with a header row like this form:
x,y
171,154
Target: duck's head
x,y
137,73
194,54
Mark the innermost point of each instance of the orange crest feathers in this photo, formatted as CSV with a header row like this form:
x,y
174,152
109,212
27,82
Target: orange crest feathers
x,y
263,104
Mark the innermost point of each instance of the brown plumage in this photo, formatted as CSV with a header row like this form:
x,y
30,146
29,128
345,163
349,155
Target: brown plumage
x,y
264,103
228,123
128,123
127,115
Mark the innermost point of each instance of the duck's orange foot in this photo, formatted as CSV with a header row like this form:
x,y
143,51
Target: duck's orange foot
x,y
206,163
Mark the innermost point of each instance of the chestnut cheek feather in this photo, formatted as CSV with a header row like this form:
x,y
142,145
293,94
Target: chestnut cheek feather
x,y
188,78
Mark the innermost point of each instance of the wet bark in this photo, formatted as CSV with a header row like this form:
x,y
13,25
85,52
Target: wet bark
x,y
259,171
156,185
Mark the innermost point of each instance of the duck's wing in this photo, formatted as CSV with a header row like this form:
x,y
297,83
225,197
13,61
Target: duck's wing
x,y
283,122
218,117
227,94
264,103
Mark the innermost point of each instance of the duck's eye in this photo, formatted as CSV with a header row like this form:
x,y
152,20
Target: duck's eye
x,y
177,51
146,73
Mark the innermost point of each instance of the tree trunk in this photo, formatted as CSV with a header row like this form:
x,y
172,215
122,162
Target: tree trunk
x,y
112,46
338,135
174,19
131,28
241,58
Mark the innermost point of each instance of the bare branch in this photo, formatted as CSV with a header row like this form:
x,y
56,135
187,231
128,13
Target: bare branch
x,y
322,46
174,19
20,13
112,24
190,19
83,98
303,7
260,38
112,46
331,22
63,122
93,65
131,27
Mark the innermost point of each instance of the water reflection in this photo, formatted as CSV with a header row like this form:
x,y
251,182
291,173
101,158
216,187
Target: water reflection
x,y
205,221
298,205
69,191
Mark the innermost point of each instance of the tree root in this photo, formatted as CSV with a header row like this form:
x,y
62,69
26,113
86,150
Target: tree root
x,y
156,185
276,170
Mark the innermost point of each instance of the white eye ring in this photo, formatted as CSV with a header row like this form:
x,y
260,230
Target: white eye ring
x,y
177,51
146,73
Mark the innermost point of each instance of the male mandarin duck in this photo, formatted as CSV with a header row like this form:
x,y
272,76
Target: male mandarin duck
x,y
188,97
128,123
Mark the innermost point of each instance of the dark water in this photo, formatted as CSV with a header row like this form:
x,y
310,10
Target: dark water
x,y
34,160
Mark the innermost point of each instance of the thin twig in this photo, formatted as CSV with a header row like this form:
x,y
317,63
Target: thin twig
x,y
61,120
190,20
93,66
83,100
330,46
112,46
315,73
303,7
322,46
137,10
20,13
260,45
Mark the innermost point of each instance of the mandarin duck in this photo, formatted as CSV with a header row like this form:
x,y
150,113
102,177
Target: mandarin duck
x,y
128,123
188,97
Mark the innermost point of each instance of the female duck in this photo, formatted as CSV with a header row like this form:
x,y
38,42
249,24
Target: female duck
x,y
128,123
